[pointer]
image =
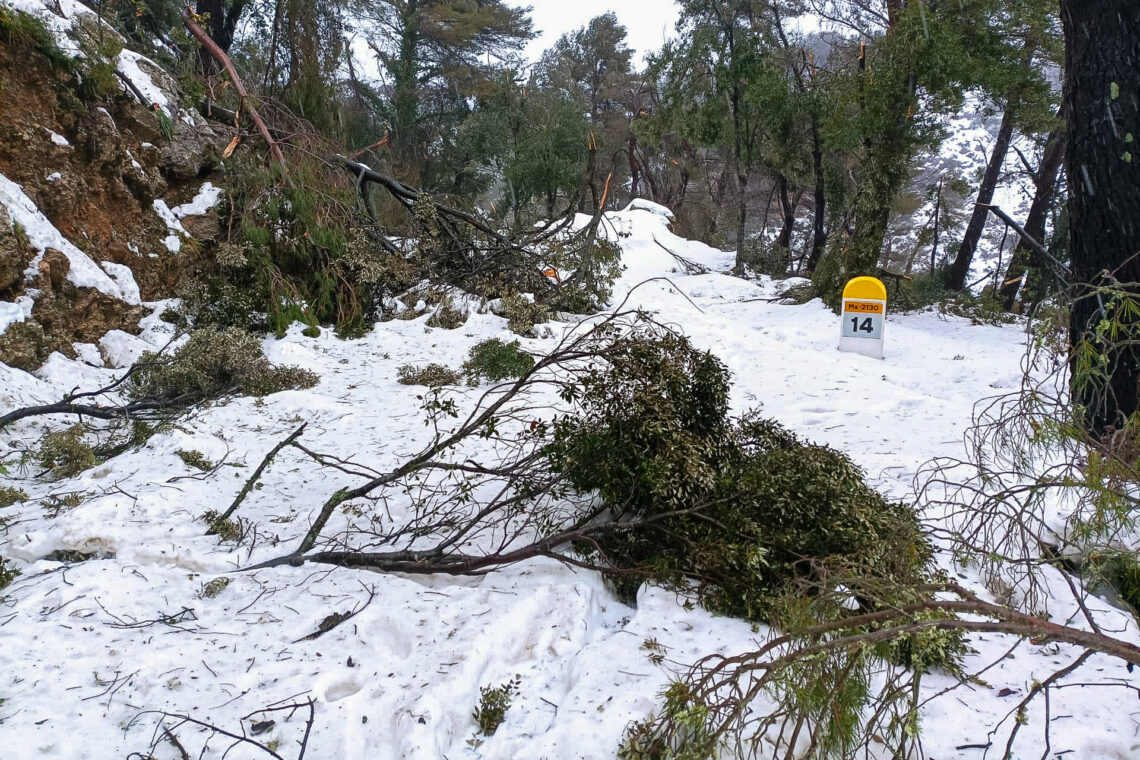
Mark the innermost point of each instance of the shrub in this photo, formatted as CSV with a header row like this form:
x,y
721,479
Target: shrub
x,y
651,437
7,574
195,459
211,364
298,251
494,360
432,375
523,314
494,701
214,587
22,30
447,316
219,303
66,453
225,528
9,496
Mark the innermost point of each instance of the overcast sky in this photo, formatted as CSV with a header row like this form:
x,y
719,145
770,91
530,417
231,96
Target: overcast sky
x,y
648,21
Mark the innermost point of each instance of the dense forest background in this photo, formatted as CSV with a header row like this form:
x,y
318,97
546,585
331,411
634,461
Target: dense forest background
x,y
806,135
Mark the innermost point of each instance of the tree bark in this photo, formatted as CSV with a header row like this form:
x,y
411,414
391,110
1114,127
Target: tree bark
x,y
819,233
961,266
1102,98
1051,159
788,213
937,228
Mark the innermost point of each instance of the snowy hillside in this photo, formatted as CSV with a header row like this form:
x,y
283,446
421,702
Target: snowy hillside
x,y
92,651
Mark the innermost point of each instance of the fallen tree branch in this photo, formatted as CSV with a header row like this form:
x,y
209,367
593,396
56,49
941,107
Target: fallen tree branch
x,y
244,100
338,618
254,477
1027,238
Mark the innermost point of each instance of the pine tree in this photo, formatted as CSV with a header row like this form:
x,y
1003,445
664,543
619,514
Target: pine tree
x,y
1102,101
434,53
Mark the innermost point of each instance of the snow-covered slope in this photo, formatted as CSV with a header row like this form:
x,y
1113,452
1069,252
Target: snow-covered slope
x,y
84,662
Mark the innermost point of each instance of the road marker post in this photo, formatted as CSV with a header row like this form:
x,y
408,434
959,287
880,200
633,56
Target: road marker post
x,y
863,316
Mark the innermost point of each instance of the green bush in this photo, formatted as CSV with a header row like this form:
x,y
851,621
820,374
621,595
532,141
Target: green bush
x,y
299,251
522,314
23,31
494,360
432,375
7,574
928,289
494,701
651,437
65,452
214,363
219,303
447,316
195,459
9,496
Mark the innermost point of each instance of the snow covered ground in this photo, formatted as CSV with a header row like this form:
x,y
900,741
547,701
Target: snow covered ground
x,y
81,670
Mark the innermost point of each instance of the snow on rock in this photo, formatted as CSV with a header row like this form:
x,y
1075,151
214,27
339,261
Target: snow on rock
x,y
121,349
401,679
125,279
42,234
57,138
88,353
127,64
207,197
13,312
641,204
173,242
62,18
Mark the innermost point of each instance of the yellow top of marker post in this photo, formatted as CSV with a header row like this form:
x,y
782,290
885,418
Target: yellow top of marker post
x,y
866,289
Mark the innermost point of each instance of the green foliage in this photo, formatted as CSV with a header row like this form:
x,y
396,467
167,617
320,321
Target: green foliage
x,y
493,360
214,587
923,290
227,529
431,375
523,314
651,437
10,495
65,452
195,459
447,316
683,709
298,251
7,574
494,701
213,363
218,303
23,31
97,78
535,139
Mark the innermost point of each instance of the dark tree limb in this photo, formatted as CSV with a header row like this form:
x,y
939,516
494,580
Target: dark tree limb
x,y
245,489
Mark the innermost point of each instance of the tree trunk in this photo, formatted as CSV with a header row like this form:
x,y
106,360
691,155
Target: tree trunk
x,y
1051,159
961,266
1102,99
741,220
937,227
819,234
787,211
405,95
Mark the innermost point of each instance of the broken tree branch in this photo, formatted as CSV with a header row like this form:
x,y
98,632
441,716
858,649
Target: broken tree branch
x,y
254,477
221,57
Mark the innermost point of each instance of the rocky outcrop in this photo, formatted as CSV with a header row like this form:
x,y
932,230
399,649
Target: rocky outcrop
x,y
95,169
